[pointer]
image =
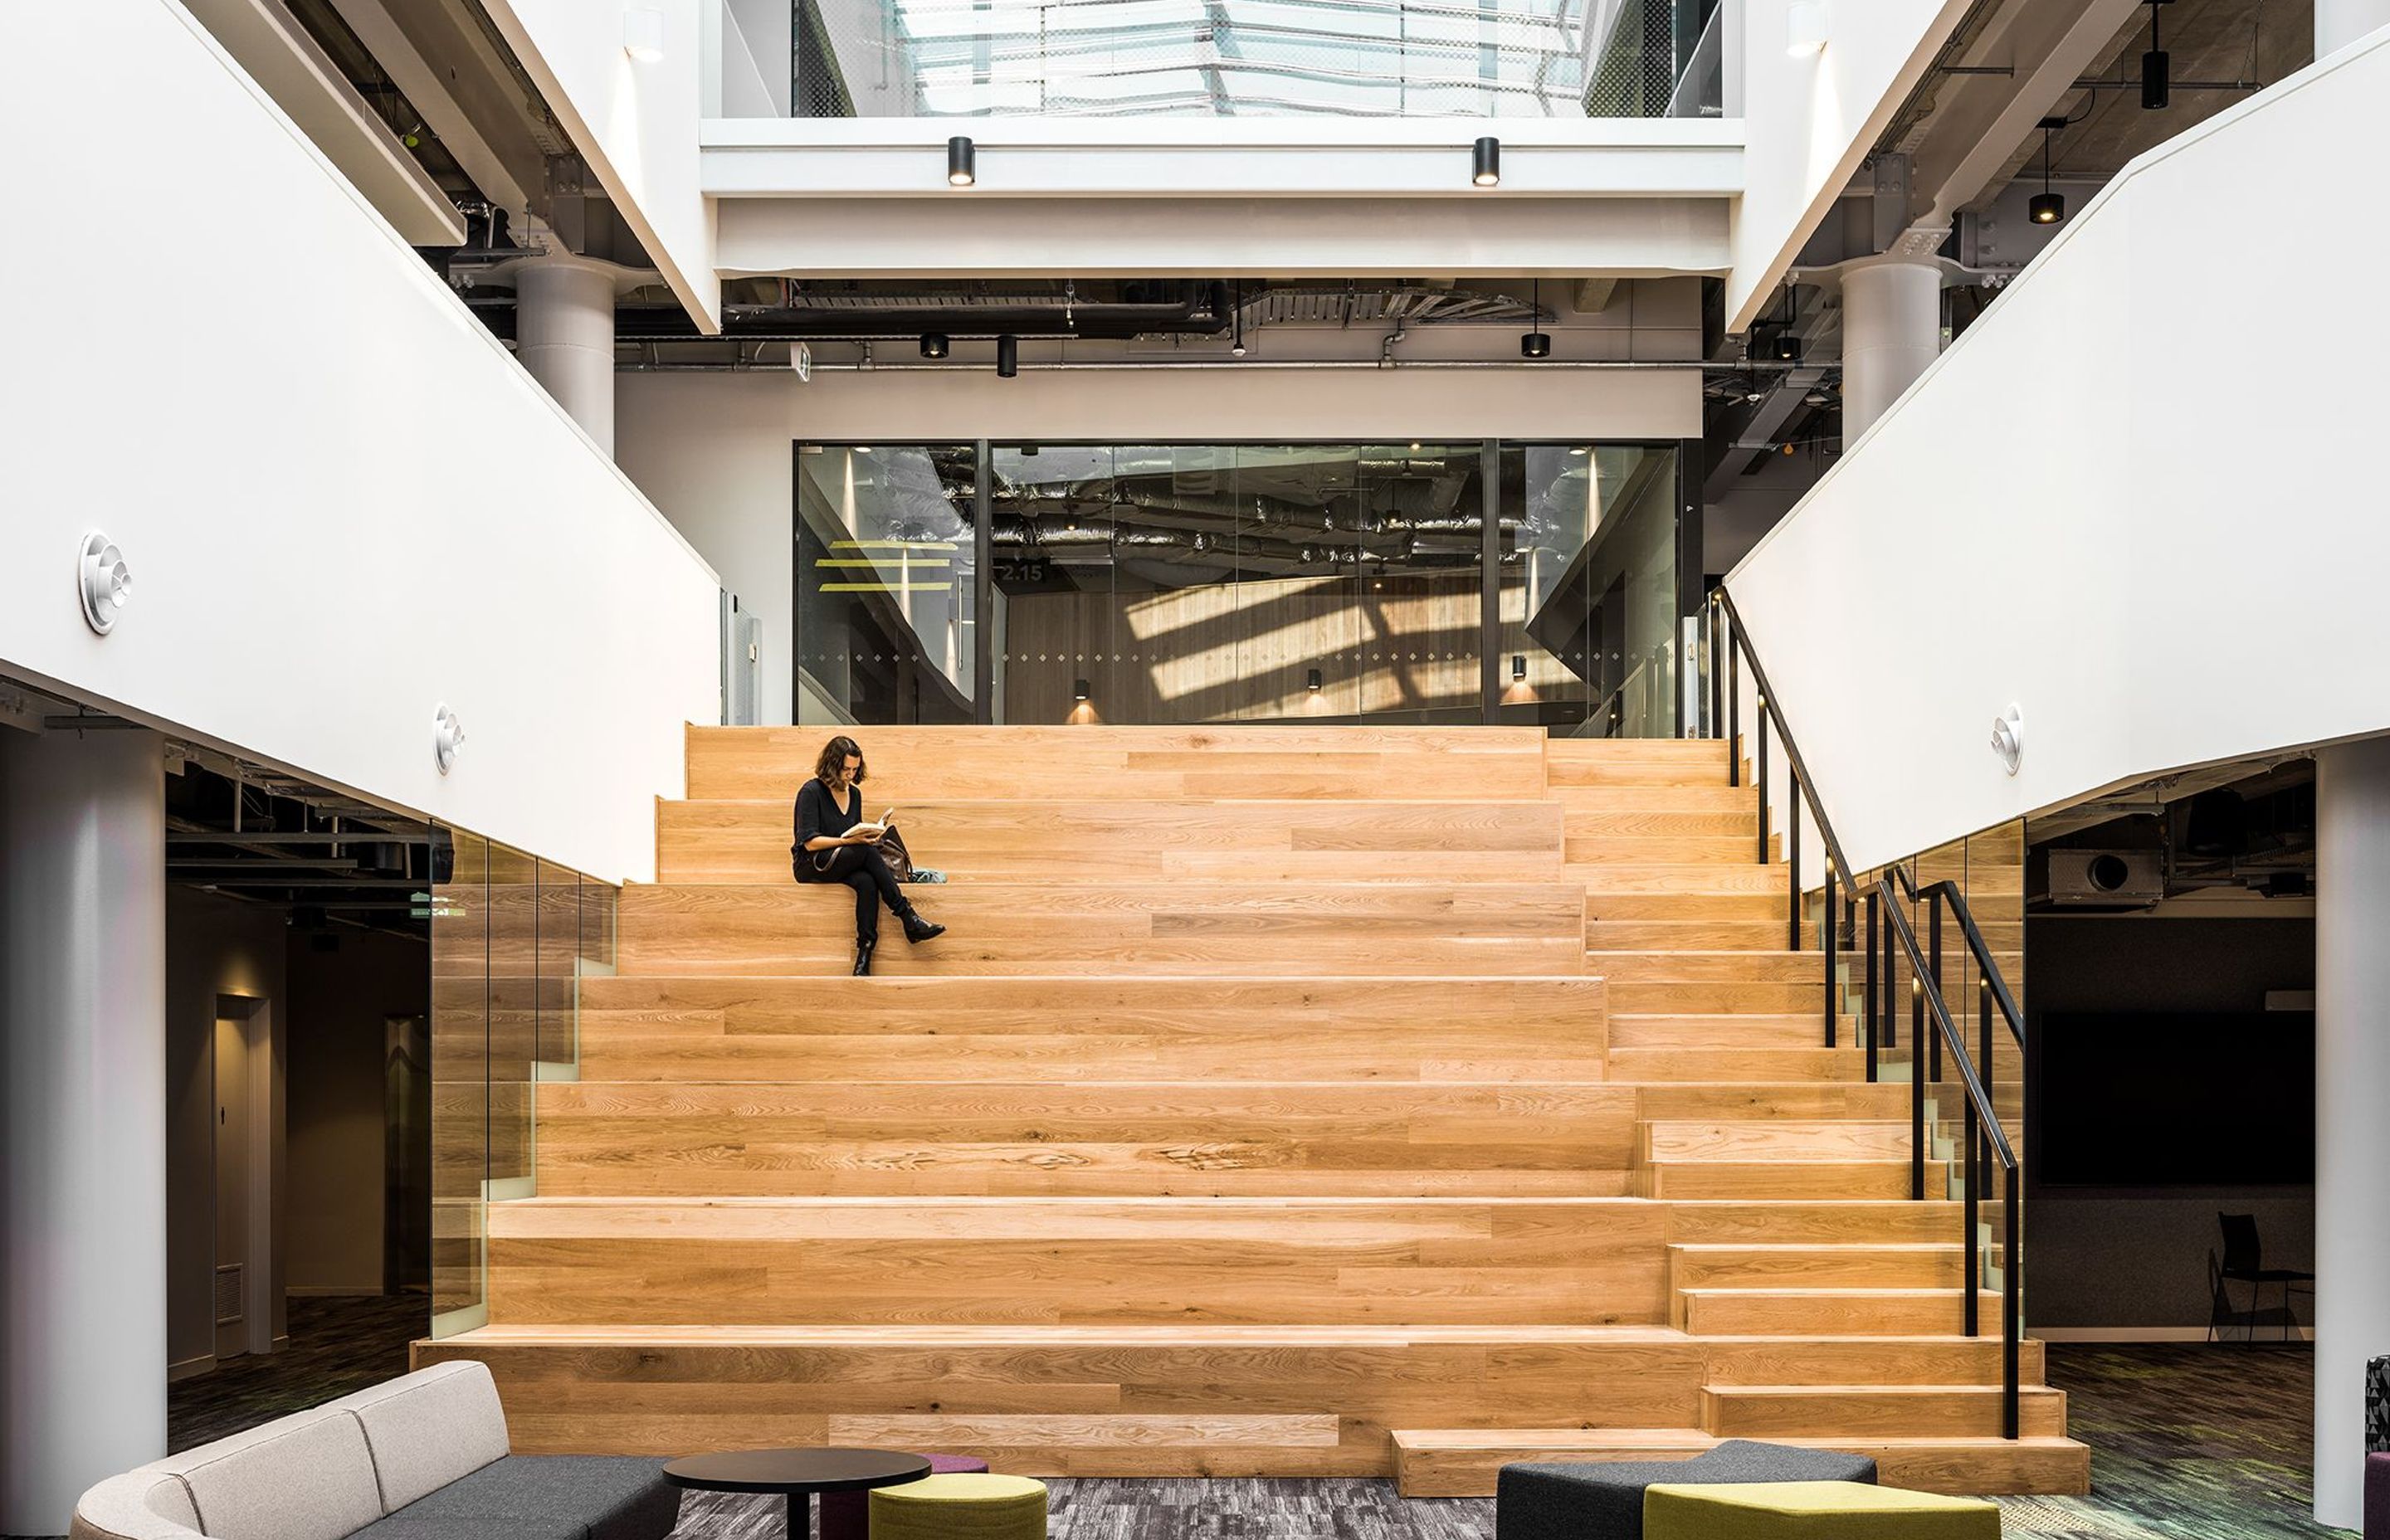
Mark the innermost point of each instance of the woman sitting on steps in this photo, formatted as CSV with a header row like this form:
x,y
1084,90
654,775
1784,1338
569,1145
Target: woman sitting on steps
x,y
829,849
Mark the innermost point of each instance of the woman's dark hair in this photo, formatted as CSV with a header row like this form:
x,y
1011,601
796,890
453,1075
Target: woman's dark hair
x,y
833,759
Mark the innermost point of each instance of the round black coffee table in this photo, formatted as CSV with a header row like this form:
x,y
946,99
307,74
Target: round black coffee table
x,y
796,1474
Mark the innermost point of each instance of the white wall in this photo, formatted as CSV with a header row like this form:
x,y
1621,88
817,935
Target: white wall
x,y
634,121
2148,531
1809,121
715,451
342,503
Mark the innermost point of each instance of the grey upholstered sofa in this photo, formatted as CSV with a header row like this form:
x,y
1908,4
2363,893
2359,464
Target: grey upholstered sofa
x,y
422,1458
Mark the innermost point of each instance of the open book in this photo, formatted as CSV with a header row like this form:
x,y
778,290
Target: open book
x,y
874,830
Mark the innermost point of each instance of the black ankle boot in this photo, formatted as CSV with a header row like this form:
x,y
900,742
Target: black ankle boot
x,y
917,930
863,958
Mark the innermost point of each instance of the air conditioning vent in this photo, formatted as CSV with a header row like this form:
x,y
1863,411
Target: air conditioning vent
x,y
2106,879
229,1294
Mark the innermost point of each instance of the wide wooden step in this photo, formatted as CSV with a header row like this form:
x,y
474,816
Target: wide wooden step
x,y
1882,1411
1610,769
1704,996
1738,1064
1681,878
1719,1029
1790,1139
1072,766
1086,1262
1711,808
1699,935
1926,1265
1149,1027
1770,1100
1360,841
1189,927
1592,848
1464,1462
1085,1138
1188,1398
1824,1312
1779,1178
1828,1222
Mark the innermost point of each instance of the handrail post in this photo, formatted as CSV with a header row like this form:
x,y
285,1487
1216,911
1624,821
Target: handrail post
x,y
1793,869
1933,952
1760,732
1975,1273
2011,1268
1916,1083
1717,634
1733,711
1834,998
1868,1016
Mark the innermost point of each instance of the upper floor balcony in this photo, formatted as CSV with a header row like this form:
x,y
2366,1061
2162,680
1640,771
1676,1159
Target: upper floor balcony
x,y
1222,59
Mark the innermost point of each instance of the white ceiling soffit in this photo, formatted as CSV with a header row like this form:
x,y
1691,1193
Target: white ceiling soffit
x,y
293,70
981,237
634,122
1222,158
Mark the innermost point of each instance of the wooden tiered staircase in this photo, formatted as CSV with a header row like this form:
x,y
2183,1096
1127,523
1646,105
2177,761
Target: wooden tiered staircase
x,y
1285,1101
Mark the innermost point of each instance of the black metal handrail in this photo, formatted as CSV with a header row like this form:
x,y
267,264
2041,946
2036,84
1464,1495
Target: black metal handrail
x,y
1839,875
1986,1142
1986,1139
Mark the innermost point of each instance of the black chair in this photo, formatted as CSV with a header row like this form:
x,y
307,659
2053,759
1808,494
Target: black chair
x,y
2223,1315
2244,1260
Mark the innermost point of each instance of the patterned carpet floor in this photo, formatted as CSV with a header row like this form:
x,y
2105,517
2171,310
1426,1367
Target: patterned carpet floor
x,y
2190,1443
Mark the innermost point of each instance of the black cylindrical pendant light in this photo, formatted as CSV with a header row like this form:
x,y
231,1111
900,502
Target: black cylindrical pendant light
x,y
963,163
1007,356
1536,344
1487,162
2046,207
2157,69
933,344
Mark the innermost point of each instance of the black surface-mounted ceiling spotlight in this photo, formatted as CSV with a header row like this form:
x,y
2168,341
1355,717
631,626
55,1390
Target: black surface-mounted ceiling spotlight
x,y
1538,342
1007,356
1487,162
2046,207
933,344
2157,69
963,163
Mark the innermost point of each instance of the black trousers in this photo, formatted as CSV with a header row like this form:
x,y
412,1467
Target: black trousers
x,y
860,867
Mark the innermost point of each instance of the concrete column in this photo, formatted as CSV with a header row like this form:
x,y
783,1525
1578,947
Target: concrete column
x,y
1892,331
2352,1301
2339,24
564,334
83,1116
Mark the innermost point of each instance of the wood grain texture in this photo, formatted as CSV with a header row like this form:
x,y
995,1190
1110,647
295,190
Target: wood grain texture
x,y
1224,928
1056,1030
1085,1138
1465,1462
997,1261
1068,764
1111,842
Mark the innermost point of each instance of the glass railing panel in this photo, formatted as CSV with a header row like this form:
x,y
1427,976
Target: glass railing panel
x,y
514,1018
461,1107
1245,59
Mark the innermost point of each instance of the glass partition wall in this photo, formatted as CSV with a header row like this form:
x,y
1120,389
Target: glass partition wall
x,y
1418,582
512,936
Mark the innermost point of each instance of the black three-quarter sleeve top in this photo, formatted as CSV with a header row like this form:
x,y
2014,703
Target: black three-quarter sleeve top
x,y
818,815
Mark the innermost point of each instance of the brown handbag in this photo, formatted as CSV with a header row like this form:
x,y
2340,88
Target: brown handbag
x,y
891,849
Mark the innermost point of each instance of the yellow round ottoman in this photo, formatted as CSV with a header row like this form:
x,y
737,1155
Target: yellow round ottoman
x,y
1811,1510
960,1506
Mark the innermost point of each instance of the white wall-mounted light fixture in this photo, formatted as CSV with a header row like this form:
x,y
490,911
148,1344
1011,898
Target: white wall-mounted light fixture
x,y
643,33
1807,22
2008,738
103,580
447,736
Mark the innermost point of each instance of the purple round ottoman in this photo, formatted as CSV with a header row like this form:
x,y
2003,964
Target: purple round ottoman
x,y
847,1515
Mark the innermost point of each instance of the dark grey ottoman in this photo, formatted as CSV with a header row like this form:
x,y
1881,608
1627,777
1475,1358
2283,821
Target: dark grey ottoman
x,y
543,1497
1603,1499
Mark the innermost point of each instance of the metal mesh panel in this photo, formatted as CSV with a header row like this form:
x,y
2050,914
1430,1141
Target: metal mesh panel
x,y
1243,57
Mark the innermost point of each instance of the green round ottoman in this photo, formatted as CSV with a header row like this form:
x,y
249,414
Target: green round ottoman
x,y
1810,1510
960,1508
